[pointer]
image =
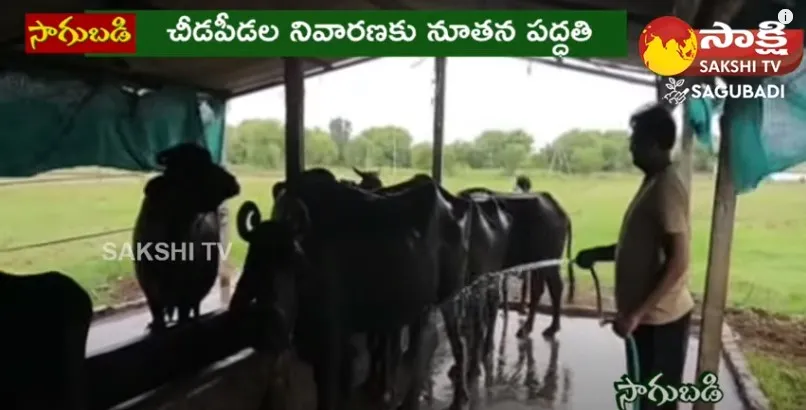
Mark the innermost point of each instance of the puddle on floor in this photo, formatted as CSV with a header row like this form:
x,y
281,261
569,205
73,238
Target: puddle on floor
x,y
576,371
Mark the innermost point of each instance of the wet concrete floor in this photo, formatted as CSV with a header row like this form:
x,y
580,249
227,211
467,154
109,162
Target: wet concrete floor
x,y
576,371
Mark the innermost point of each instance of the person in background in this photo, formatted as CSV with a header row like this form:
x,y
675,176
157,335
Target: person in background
x,y
651,257
523,184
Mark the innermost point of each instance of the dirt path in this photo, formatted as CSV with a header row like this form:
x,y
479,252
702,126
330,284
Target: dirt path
x,y
777,335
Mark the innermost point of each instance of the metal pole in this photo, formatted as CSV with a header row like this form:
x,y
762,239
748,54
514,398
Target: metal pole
x,y
294,118
439,118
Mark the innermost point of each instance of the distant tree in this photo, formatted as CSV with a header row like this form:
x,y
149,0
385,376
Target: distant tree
x,y
391,145
421,154
236,149
320,149
341,129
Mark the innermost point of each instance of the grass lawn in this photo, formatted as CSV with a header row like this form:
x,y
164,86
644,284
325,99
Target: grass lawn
x,y
768,270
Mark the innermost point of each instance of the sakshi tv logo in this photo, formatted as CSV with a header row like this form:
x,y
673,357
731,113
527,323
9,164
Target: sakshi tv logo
x,y
670,47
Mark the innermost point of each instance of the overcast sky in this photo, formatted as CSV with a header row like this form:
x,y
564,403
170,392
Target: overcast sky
x,y
481,93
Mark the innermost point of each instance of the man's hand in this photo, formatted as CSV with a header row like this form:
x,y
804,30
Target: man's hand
x,y
624,325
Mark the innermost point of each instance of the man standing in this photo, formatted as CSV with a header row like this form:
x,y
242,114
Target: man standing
x,y
652,257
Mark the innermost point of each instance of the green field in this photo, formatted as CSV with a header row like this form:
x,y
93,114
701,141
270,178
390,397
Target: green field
x,y
768,270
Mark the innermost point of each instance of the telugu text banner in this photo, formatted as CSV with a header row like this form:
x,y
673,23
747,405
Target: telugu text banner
x,y
80,33
266,33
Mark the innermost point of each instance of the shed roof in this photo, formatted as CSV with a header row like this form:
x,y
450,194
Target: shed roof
x,y
229,77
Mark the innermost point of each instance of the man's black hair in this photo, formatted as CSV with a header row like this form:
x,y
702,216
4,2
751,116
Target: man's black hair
x,y
655,122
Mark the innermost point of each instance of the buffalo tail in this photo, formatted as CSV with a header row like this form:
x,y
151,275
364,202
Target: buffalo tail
x,y
572,283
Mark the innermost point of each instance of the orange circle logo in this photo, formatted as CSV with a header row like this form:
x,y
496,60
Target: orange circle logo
x,y
668,46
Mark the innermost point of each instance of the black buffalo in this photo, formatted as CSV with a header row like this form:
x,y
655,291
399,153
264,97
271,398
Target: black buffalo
x,y
540,230
470,331
180,210
359,262
490,228
45,319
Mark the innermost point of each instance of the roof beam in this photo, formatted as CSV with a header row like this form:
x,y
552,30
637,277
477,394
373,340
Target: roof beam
x,y
93,69
308,74
641,19
587,70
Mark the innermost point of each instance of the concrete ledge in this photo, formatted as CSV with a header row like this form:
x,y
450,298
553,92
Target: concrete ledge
x,y
237,382
105,311
749,388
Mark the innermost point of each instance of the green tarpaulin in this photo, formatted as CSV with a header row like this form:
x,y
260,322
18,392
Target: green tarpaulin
x,y
767,136
51,121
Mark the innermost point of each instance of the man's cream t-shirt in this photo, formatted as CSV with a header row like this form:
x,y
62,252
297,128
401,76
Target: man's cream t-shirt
x,y
659,208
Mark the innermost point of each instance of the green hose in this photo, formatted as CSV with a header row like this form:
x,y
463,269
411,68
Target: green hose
x,y
633,357
632,348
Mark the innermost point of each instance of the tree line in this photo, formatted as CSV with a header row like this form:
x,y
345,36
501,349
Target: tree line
x,y
260,143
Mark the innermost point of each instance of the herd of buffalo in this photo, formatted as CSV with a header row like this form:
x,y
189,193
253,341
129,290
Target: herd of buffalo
x,y
334,260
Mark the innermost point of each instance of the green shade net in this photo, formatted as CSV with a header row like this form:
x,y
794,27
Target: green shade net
x,y
53,121
767,136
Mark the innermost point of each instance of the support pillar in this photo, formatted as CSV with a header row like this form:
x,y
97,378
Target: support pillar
x,y
439,118
716,285
294,78
225,271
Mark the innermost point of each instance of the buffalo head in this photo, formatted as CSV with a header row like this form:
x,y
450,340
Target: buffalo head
x,y
370,180
191,179
271,271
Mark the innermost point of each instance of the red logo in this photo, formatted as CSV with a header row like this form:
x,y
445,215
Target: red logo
x,y
669,47
80,33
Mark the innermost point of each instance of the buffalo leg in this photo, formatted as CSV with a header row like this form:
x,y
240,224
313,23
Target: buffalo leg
x,y
375,343
423,340
526,278
505,298
392,352
457,373
537,284
327,374
555,285
491,317
157,315
184,313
